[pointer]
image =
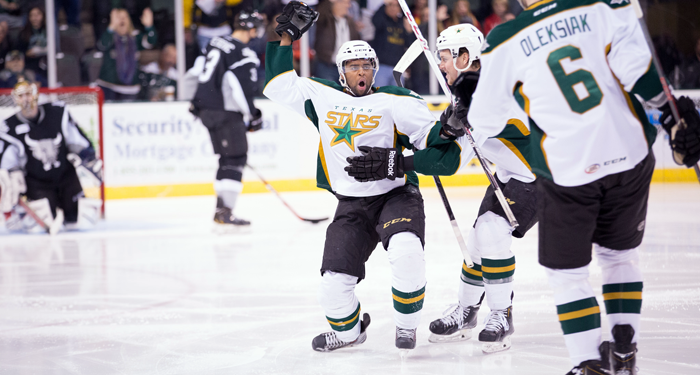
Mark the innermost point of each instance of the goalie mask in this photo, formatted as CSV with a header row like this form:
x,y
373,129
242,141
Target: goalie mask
x,y
26,95
356,50
461,36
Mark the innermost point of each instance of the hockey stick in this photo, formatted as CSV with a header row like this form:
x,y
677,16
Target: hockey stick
x,y
441,79
411,54
680,124
273,191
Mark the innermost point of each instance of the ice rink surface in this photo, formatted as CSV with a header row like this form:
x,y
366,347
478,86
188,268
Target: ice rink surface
x,y
153,291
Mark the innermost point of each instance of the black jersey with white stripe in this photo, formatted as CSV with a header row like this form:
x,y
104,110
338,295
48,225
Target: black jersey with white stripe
x,y
40,146
229,79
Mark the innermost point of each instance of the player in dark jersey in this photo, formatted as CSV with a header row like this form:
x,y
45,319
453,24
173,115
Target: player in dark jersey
x,y
224,103
42,145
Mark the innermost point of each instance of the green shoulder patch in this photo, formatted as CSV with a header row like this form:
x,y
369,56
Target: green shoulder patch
x,y
399,91
331,84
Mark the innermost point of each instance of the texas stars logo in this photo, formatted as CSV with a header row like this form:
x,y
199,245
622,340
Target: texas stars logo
x,y
347,126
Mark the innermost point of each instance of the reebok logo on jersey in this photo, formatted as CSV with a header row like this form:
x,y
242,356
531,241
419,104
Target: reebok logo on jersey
x,y
390,164
21,129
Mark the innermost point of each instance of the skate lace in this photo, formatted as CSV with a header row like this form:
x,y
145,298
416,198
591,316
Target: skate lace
x,y
496,320
455,317
332,340
404,333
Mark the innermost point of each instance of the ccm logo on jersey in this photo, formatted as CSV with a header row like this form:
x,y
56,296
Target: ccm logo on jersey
x,y
399,220
595,167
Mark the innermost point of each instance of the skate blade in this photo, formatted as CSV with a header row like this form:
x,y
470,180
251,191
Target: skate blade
x,y
403,353
461,335
495,347
224,229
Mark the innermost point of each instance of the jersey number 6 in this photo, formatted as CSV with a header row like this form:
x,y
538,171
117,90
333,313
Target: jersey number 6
x,y
568,82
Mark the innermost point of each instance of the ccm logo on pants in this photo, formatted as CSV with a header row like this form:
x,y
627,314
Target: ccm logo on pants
x,y
399,220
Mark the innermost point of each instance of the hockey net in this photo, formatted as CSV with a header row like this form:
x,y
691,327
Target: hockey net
x,y
85,107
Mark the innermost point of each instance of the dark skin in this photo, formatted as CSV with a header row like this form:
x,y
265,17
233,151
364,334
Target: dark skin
x,y
358,81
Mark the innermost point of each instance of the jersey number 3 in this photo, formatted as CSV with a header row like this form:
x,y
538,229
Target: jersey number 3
x,y
210,65
573,85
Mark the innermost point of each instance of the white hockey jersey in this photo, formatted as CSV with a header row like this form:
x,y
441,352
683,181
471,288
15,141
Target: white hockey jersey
x,y
574,67
390,117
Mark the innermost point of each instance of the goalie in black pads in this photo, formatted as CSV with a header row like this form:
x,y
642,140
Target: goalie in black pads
x,y
224,103
492,276
43,148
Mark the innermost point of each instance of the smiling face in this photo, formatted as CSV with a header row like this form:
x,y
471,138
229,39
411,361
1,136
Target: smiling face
x,y
359,74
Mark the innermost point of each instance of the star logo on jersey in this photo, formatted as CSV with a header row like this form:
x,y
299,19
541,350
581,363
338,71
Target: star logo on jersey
x,y
346,134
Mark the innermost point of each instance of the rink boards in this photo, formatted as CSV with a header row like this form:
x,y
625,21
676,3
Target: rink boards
x,y
160,150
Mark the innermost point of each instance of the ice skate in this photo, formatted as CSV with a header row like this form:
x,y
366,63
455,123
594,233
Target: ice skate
x,y
405,340
593,367
622,353
455,326
225,221
496,333
328,341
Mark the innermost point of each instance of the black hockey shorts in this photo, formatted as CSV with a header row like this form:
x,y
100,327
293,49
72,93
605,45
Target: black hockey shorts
x,y
360,223
64,193
523,202
228,137
610,212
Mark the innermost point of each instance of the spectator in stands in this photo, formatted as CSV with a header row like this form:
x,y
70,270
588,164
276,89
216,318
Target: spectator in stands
x,y
501,13
15,70
10,12
392,35
118,75
419,71
165,65
208,19
691,70
32,41
333,28
461,13
5,45
72,9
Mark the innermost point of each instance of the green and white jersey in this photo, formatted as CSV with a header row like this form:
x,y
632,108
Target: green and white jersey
x,y
389,117
574,66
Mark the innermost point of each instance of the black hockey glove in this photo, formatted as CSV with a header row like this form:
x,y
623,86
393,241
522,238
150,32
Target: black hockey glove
x,y
453,121
465,85
685,136
376,163
256,122
295,20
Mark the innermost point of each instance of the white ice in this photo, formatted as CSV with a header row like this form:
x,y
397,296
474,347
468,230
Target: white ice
x,y
153,291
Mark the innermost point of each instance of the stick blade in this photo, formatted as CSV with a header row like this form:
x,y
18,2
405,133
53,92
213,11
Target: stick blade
x,y
315,221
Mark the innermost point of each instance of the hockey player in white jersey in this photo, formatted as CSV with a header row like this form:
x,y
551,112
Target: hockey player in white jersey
x,y
43,149
489,241
349,115
577,68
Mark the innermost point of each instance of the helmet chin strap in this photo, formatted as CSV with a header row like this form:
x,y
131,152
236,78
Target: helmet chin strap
x,y
344,83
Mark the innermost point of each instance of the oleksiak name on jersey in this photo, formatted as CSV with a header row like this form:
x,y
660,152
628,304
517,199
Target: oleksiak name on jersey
x,y
389,117
575,67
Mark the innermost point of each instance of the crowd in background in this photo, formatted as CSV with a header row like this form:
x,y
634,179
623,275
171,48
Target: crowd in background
x,y
127,46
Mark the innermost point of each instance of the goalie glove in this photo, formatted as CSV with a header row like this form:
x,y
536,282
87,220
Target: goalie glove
x,y
295,20
12,185
87,161
453,121
376,163
256,122
684,135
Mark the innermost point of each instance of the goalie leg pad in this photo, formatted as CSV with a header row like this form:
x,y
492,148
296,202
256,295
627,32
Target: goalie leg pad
x,y
12,185
42,209
88,214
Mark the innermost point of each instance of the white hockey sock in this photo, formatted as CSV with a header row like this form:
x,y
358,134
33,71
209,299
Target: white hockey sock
x,y
578,311
471,285
340,304
228,191
405,253
622,286
493,238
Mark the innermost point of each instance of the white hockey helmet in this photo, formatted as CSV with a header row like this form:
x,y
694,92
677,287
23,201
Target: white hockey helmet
x,y
460,36
353,50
